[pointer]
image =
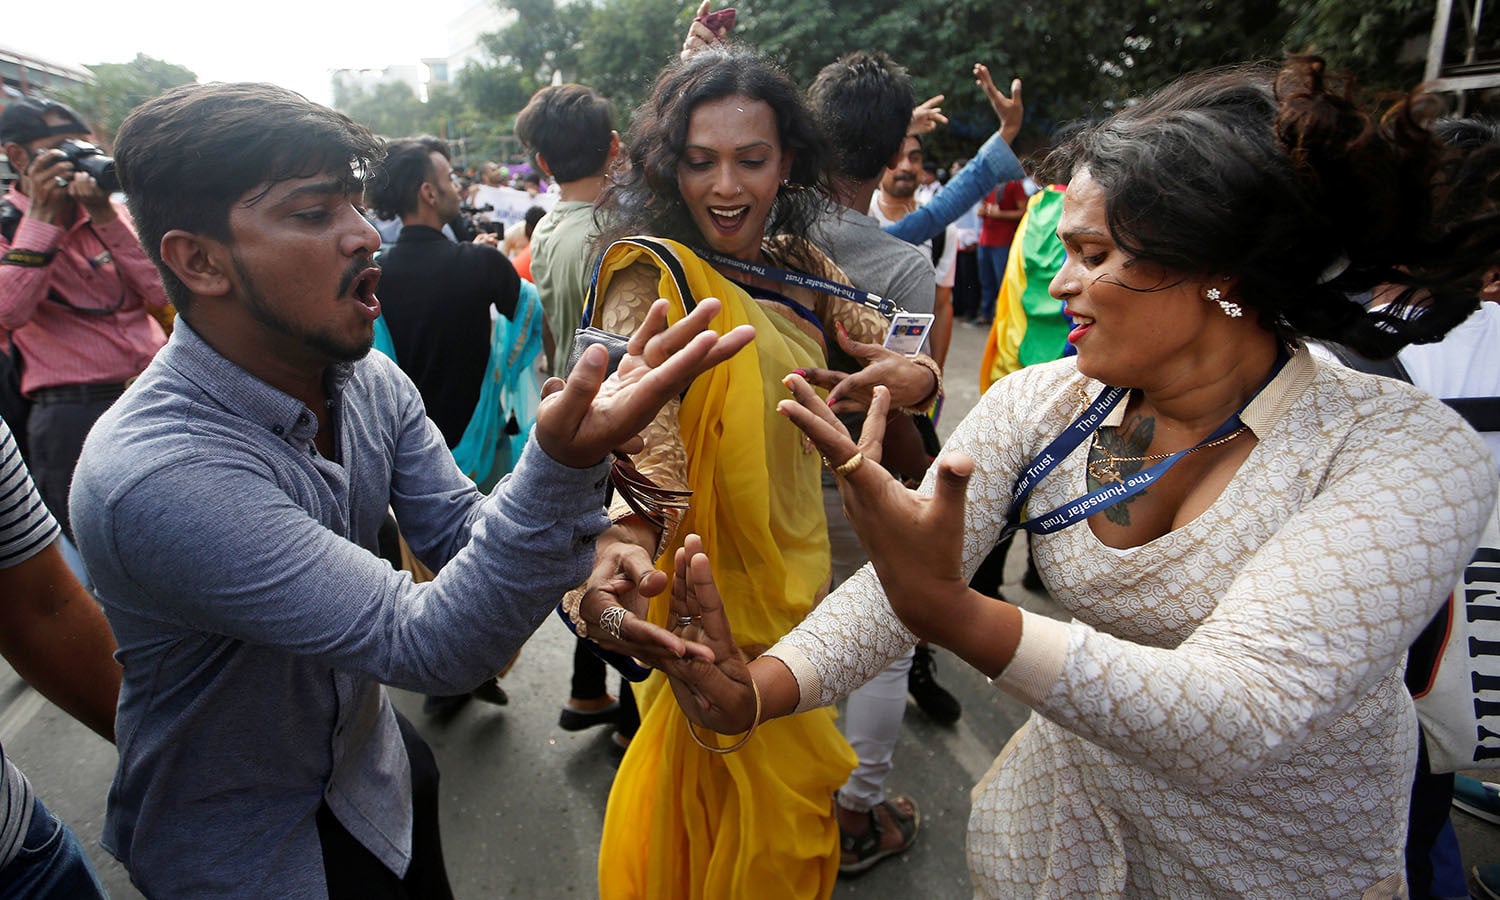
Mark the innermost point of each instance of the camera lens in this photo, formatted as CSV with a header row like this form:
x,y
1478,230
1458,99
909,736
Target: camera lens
x,y
86,157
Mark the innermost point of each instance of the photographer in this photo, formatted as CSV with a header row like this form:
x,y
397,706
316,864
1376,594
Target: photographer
x,y
75,289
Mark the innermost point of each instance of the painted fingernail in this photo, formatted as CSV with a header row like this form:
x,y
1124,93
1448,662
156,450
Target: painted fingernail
x,y
800,372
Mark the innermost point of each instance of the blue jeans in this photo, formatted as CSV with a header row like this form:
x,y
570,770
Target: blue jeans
x,y
991,272
51,863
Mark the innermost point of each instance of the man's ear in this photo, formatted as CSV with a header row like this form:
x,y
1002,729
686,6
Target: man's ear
x,y
16,155
200,263
614,147
1489,287
541,163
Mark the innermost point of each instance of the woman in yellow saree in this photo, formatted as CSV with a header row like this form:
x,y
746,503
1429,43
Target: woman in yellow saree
x,y
727,161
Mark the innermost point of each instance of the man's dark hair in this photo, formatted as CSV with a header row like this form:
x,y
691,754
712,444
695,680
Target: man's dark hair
x,y
391,190
570,125
533,216
186,157
864,102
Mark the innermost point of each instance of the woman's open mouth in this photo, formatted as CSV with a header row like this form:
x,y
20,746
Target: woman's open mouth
x,y
1081,326
728,219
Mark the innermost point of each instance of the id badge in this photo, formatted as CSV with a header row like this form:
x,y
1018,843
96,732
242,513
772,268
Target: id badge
x,y
908,333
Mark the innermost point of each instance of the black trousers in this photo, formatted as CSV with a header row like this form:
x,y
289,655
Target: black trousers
x,y
54,437
1431,798
589,673
354,873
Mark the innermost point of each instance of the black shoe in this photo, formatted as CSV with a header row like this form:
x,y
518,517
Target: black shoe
x,y
491,692
571,719
441,706
932,698
1032,581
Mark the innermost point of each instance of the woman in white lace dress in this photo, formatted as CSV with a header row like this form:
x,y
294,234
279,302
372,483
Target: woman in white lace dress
x,y
1247,540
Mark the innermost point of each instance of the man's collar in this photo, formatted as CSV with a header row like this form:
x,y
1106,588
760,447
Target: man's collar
x,y
243,394
417,232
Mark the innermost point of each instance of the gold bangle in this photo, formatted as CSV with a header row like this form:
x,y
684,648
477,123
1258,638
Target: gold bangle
x,y
925,405
755,723
571,602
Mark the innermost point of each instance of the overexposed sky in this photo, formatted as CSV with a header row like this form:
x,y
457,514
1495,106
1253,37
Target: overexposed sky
x,y
293,43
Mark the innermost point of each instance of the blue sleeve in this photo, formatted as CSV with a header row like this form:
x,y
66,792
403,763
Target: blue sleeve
x,y
258,568
993,164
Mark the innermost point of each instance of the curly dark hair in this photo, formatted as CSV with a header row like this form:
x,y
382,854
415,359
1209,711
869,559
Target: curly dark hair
x,y
1272,174
646,200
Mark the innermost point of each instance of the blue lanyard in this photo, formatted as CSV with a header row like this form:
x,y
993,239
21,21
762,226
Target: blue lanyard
x,y
887,308
1075,511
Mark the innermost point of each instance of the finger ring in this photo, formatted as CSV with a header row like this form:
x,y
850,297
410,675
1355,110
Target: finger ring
x,y
684,621
610,620
849,465
60,181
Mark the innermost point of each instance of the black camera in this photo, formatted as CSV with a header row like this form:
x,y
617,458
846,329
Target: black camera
x,y
86,157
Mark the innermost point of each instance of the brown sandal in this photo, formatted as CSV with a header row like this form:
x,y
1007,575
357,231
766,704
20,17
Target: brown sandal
x,y
860,852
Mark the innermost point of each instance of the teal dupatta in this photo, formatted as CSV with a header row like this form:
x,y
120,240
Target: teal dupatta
x,y
506,410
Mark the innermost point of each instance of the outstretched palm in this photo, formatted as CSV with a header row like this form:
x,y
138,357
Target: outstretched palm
x,y
579,422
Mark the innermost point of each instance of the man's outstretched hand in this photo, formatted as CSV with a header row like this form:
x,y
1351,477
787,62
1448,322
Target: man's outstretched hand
x,y
582,420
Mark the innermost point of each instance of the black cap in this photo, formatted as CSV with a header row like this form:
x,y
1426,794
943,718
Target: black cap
x,y
23,122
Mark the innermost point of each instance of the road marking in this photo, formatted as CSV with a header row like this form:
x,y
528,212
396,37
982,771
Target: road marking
x,y
19,713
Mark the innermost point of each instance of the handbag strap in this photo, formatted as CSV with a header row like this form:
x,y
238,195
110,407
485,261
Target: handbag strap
x,y
665,259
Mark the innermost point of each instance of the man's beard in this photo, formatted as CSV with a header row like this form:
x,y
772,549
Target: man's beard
x,y
326,344
900,188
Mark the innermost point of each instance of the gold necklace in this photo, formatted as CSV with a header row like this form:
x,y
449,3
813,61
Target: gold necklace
x,y
1107,471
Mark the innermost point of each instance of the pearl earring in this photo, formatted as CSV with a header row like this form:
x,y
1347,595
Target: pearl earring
x,y
1231,309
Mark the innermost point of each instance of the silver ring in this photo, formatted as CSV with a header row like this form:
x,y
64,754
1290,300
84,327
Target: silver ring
x,y
60,181
610,620
684,621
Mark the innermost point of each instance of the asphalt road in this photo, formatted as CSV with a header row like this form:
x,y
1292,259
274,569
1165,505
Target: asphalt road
x,y
523,800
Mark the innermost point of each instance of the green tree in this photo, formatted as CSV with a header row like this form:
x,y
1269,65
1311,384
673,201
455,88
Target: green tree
x,y
625,45
544,38
120,87
391,109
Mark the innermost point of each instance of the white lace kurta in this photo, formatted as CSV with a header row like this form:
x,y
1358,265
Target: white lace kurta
x,y
1225,716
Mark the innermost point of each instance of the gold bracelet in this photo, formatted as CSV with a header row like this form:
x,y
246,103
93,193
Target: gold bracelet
x,y
755,723
930,365
571,602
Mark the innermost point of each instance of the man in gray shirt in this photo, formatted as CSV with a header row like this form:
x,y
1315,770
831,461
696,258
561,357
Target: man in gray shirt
x,y
865,101
227,507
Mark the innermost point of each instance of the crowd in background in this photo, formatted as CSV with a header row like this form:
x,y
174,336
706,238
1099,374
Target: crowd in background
x,y
677,386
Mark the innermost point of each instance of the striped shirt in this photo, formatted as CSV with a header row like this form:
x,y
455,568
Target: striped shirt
x,y
25,525
26,528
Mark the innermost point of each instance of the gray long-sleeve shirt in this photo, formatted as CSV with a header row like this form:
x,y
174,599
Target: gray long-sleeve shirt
x,y
256,625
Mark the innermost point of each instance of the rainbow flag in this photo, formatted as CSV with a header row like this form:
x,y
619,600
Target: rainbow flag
x,y
1029,325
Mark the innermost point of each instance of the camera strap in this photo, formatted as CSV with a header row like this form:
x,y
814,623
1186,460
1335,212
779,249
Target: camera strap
x,y
10,222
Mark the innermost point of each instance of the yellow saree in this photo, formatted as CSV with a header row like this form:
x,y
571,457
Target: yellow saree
x,y
682,822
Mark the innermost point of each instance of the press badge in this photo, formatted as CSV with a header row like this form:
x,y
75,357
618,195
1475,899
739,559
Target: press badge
x,y
908,333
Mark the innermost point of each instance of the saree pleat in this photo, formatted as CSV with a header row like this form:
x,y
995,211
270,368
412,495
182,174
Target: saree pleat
x,y
682,822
